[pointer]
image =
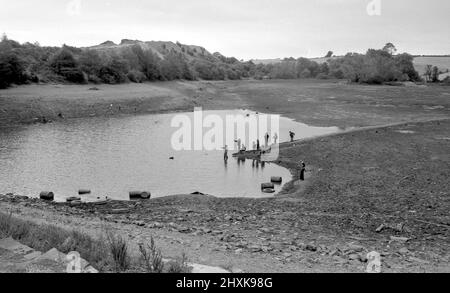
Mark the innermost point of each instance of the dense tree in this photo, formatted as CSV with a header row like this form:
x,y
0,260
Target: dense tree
x,y
65,65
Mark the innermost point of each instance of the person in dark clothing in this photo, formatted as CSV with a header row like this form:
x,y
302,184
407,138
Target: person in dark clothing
x,y
302,171
292,135
258,146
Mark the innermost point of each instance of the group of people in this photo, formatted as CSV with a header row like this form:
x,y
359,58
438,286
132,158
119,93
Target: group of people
x,y
256,144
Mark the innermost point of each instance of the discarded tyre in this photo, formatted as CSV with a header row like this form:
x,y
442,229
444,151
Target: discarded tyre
x,y
140,195
267,185
84,191
47,195
276,179
269,190
146,195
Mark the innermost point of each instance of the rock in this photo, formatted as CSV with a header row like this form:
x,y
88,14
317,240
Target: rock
x,y
73,198
403,251
139,223
54,255
255,248
47,195
401,239
351,248
15,246
238,251
90,270
155,225
119,211
353,256
287,255
269,190
184,230
33,255
380,228
311,247
75,203
418,260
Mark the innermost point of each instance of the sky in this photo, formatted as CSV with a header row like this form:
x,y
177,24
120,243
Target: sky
x,y
245,29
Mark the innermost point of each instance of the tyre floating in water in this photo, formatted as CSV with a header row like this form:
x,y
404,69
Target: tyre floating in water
x,y
267,185
276,179
84,191
47,195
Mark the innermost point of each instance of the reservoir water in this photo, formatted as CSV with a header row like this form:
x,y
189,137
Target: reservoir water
x,y
114,155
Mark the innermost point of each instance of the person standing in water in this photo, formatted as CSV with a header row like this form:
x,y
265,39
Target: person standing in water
x,y
267,137
258,146
275,138
225,155
238,141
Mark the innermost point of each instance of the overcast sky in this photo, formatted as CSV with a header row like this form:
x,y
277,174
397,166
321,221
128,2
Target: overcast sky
x,y
245,29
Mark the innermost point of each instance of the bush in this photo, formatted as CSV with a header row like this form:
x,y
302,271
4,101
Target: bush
x,y
136,76
118,249
151,257
11,70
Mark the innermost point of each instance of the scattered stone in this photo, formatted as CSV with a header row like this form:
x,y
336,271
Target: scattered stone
x,y
76,203
311,247
418,260
380,228
119,211
139,223
401,239
403,251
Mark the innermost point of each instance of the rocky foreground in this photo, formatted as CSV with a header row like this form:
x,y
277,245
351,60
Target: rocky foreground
x,y
241,235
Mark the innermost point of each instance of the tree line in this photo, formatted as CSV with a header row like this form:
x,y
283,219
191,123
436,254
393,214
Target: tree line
x,y
32,63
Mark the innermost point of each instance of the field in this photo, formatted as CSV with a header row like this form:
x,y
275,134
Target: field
x,y
443,63
382,185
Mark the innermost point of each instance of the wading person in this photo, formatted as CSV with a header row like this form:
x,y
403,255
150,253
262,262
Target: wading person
x,y
258,146
238,141
275,138
267,137
225,154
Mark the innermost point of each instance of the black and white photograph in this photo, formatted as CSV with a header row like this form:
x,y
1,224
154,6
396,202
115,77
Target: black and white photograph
x,y
224,138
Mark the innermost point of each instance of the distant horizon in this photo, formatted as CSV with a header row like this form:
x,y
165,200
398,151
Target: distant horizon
x,y
245,29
